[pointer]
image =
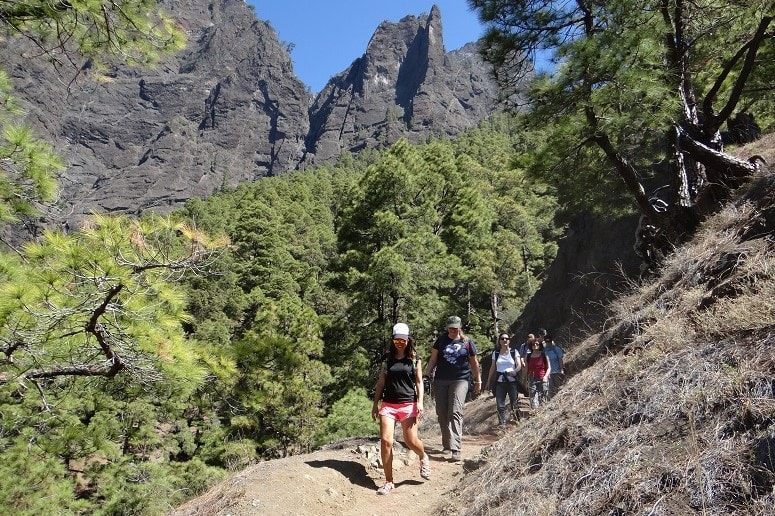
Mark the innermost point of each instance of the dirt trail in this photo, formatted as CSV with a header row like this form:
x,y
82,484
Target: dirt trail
x,y
343,480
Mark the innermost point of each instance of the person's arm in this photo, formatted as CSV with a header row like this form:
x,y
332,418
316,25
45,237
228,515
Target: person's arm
x,y
429,369
491,376
378,393
548,368
562,364
473,361
420,383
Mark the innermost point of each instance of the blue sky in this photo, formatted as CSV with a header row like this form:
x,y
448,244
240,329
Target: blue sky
x,y
329,34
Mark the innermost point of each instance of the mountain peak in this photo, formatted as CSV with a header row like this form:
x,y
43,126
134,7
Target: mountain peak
x,y
404,85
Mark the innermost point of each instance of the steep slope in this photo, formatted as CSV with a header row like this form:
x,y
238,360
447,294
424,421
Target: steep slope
x,y
229,108
404,85
595,262
673,410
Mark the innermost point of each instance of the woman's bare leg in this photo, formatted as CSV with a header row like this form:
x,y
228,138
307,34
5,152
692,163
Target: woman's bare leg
x,y
409,427
386,427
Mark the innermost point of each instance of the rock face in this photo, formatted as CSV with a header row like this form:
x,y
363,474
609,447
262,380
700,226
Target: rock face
x,y
225,110
230,109
405,85
595,261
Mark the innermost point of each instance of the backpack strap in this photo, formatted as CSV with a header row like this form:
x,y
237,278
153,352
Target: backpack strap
x,y
495,354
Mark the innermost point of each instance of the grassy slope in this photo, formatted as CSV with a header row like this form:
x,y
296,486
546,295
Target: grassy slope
x,y
673,411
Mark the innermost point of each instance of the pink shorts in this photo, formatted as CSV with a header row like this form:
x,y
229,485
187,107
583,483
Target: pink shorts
x,y
398,411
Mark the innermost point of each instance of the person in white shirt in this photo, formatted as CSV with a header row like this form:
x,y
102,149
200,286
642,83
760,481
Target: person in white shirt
x,y
504,377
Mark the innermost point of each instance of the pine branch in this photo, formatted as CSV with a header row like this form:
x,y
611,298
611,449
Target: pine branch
x,y
625,169
715,160
102,335
750,49
23,11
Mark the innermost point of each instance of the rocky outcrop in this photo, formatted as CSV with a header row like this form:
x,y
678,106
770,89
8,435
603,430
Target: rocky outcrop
x,y
229,108
405,85
225,110
595,262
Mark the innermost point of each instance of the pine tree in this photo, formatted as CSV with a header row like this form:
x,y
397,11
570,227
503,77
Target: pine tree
x,y
640,82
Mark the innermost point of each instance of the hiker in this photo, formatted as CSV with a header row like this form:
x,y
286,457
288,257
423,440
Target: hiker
x,y
453,360
524,386
555,354
525,346
400,388
503,378
538,371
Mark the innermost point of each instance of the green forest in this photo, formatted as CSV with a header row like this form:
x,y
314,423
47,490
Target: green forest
x,y
145,359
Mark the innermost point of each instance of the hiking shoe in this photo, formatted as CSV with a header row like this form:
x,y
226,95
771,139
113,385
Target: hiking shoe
x,y
456,456
447,453
425,468
385,489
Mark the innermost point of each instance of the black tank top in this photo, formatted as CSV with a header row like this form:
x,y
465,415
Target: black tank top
x,y
399,381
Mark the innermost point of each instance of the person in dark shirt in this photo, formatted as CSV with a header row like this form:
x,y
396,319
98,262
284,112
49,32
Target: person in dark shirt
x,y
453,360
525,346
400,389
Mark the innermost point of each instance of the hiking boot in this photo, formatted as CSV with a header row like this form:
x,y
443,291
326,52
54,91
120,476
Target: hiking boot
x,y
456,456
386,488
425,468
447,453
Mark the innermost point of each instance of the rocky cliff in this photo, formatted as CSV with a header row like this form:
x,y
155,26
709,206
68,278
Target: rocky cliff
x,y
595,262
225,110
405,85
230,109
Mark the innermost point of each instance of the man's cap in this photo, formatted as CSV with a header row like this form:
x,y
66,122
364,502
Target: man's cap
x,y
454,322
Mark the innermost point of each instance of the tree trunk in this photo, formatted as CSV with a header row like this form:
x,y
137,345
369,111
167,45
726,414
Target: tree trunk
x,y
495,313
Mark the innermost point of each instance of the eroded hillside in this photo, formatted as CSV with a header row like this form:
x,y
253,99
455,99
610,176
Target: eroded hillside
x,y
673,411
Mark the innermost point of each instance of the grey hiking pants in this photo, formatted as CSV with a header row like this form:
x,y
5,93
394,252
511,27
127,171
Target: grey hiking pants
x,y
450,396
501,390
539,390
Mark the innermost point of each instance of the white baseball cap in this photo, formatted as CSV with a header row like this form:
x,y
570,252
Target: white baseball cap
x,y
401,331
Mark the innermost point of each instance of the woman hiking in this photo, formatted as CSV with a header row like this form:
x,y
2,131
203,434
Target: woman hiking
x,y
400,388
538,371
453,364
503,378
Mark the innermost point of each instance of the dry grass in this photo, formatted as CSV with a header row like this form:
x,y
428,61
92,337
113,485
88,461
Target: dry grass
x,y
673,410
764,147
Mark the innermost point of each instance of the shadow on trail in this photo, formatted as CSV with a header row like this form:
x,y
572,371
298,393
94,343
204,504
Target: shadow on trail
x,y
408,483
355,472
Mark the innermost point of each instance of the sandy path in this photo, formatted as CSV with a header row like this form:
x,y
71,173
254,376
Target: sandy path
x,y
342,481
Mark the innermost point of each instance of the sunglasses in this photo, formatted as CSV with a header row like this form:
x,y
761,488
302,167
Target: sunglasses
x,y
399,341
